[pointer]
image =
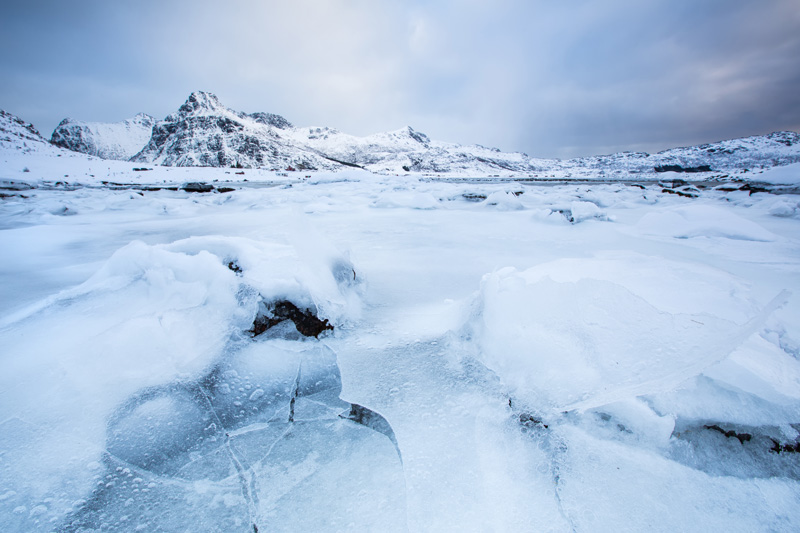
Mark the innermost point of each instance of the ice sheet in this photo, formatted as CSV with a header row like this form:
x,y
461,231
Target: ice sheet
x,y
126,362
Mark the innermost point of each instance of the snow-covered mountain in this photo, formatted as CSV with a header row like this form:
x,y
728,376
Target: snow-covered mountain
x,y
407,150
204,132
749,153
118,140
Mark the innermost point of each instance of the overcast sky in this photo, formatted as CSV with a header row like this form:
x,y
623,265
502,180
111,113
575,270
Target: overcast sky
x,y
549,78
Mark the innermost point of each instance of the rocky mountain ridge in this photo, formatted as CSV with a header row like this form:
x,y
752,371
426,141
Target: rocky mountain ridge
x,y
203,132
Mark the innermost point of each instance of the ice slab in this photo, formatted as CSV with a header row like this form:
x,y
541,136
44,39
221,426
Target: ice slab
x,y
581,344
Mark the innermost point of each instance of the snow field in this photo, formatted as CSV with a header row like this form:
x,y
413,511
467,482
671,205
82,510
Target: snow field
x,y
474,318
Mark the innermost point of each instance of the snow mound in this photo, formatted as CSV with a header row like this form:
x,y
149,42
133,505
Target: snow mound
x,y
586,341
783,207
586,211
307,273
703,221
503,201
785,175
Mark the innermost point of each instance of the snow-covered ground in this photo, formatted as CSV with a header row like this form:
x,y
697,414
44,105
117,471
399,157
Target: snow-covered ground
x,y
505,356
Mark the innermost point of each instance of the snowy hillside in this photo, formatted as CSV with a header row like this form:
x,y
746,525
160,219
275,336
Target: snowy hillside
x,y
18,135
120,140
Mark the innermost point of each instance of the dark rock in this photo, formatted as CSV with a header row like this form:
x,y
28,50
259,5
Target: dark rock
x,y
678,168
752,188
197,187
792,447
474,197
225,189
271,119
741,437
305,321
679,193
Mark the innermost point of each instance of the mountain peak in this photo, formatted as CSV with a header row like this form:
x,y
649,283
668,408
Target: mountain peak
x,y
143,118
201,101
416,135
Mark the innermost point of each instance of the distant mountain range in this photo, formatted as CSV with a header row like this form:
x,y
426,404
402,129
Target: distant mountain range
x,y
203,132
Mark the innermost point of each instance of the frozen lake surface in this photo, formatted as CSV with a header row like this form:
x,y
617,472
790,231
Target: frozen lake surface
x,y
504,356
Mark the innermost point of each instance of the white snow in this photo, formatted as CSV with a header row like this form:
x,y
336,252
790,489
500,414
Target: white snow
x,y
783,175
577,345
505,356
703,221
